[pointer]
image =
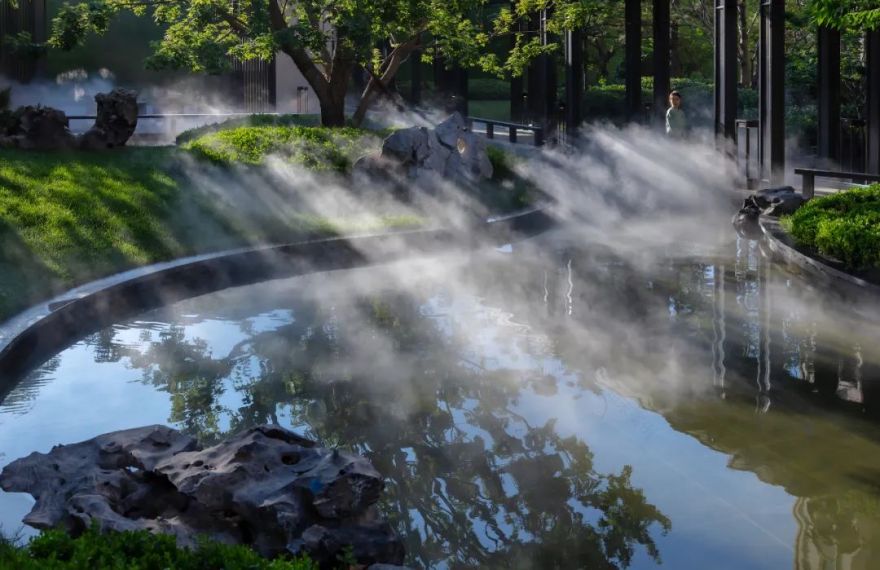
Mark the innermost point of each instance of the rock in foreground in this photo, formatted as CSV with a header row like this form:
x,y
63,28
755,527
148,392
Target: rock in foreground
x,y
267,487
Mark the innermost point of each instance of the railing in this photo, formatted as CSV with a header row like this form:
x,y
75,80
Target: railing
x,y
512,129
745,157
808,188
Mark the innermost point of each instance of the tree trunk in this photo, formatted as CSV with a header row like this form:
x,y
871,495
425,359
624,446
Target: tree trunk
x,y
745,61
332,113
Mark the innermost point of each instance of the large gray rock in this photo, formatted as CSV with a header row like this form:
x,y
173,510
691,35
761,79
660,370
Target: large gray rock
x,y
266,487
450,150
116,120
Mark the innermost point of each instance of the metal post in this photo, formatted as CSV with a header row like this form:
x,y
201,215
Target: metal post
x,y
725,68
661,58
771,104
872,51
829,93
574,80
537,80
633,59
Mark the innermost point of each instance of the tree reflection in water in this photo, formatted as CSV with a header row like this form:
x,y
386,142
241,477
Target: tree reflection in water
x,y
471,482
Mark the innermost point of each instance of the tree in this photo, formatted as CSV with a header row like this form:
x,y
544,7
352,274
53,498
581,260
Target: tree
x,y
859,15
329,39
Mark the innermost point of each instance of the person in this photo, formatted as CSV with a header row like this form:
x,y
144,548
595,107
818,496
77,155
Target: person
x,y
676,121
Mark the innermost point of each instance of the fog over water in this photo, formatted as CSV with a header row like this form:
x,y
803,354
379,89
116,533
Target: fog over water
x,y
638,385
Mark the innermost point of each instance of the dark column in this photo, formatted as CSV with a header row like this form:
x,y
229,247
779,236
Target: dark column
x,y
725,68
633,59
771,102
872,115
661,58
415,88
542,78
451,84
829,94
574,80
516,83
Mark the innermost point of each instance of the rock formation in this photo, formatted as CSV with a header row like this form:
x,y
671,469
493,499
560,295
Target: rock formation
x,y
776,202
267,487
45,128
450,151
116,120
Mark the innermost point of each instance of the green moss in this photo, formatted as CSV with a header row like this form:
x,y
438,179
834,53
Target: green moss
x,y
845,225
316,148
134,550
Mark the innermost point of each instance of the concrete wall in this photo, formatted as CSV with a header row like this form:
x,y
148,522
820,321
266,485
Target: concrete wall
x,y
288,81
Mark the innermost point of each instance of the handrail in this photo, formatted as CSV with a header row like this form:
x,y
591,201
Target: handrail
x,y
512,129
808,188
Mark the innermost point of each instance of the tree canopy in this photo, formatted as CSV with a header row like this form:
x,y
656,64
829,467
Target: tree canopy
x,y
328,39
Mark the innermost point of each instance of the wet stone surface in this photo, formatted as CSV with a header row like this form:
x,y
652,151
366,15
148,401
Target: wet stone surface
x,y
267,487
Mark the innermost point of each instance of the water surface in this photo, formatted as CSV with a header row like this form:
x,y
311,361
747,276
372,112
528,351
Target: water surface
x,y
545,405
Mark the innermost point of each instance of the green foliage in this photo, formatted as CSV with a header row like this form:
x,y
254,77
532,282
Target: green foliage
x,y
249,121
317,148
845,226
55,549
860,15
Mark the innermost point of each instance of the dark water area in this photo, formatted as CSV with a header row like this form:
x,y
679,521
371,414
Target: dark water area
x,y
544,405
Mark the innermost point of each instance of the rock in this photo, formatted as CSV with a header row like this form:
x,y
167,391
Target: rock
x,y
782,201
39,128
116,120
267,487
451,150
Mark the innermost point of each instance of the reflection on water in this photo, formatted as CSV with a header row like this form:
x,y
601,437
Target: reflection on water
x,y
551,407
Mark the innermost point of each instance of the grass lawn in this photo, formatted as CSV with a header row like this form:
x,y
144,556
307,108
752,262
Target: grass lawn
x,y
68,218
845,226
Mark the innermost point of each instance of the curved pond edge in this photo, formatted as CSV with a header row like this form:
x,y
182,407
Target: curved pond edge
x,y
783,246
34,335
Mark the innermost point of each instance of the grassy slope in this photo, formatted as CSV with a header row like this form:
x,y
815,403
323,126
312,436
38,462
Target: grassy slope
x,y
845,225
67,218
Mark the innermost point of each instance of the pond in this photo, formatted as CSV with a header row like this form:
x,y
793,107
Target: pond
x,y
546,404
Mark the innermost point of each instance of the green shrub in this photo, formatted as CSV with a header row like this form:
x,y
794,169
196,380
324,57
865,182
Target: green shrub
x,y
250,121
316,148
134,550
845,225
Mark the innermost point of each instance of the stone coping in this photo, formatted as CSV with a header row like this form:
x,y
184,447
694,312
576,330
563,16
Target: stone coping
x,y
784,247
36,334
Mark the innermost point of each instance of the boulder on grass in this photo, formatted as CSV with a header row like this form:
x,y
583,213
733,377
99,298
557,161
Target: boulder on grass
x,y
116,120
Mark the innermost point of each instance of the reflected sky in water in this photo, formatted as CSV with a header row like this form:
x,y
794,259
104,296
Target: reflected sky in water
x,y
546,405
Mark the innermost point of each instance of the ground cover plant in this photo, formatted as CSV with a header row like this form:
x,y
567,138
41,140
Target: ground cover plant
x,y
56,550
845,226
316,148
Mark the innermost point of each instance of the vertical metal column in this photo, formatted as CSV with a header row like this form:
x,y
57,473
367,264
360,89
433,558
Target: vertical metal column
x,y
542,78
771,104
829,94
574,80
661,58
872,61
725,68
633,58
